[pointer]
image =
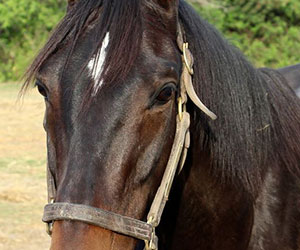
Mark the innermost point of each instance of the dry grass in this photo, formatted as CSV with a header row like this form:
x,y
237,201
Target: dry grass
x,y
22,171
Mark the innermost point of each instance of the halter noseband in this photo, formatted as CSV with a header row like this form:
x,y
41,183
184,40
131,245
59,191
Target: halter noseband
x,y
123,224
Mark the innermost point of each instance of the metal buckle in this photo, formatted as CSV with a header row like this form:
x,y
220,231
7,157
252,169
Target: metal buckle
x,y
152,244
49,226
180,110
185,46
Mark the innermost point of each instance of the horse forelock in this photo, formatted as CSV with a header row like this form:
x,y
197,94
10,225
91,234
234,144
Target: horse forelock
x,y
121,19
124,21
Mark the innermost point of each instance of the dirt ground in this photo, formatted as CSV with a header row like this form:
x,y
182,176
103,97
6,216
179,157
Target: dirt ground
x,y
22,170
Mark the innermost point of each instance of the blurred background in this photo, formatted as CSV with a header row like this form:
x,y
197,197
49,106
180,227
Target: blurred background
x,y
267,31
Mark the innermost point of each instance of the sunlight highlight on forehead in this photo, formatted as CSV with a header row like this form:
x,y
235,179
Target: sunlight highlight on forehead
x,y
96,64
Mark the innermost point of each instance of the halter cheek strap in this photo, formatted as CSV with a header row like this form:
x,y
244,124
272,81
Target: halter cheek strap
x,y
123,224
186,76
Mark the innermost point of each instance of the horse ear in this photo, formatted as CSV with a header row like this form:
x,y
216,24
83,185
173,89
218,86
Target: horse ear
x,y
71,3
169,5
169,10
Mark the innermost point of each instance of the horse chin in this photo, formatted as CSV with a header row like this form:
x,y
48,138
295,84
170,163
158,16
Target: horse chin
x,y
69,235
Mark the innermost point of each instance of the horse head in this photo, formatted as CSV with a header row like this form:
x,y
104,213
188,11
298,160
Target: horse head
x,y
110,77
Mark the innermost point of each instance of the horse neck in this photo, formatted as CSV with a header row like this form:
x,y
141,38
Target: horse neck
x,y
276,222
205,213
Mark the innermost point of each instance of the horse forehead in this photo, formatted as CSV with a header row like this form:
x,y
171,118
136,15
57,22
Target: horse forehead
x,y
96,64
153,51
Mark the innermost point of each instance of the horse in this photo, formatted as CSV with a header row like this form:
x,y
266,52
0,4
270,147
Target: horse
x,y
292,75
133,88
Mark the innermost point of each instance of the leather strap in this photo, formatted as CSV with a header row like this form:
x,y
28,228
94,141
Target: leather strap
x,y
163,191
98,217
51,185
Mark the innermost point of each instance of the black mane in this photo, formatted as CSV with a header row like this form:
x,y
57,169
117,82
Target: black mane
x,y
258,115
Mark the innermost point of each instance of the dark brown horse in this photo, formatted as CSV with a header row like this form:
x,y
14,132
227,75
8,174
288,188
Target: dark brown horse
x,y
292,75
110,75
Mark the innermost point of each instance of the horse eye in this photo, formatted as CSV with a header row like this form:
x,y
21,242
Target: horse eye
x,y
42,90
166,94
